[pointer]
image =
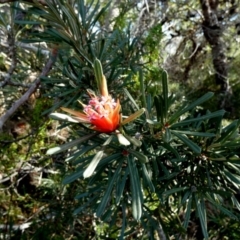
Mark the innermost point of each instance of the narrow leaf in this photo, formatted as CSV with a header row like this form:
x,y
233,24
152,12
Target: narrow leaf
x,y
147,178
62,117
221,208
122,140
120,186
131,98
68,145
167,136
197,119
229,131
199,101
201,210
106,197
232,177
165,93
188,142
133,116
199,134
174,190
188,213
171,149
74,176
141,157
92,166
134,141
136,189
142,88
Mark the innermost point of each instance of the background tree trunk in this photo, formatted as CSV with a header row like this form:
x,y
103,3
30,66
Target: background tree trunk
x,y
212,30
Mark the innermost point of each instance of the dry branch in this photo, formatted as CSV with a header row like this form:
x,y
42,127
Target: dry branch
x,y
31,90
12,52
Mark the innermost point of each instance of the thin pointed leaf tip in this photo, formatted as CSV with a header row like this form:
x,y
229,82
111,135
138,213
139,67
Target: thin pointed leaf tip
x,y
100,78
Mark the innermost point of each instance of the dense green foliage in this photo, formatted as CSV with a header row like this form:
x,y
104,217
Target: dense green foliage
x,y
178,179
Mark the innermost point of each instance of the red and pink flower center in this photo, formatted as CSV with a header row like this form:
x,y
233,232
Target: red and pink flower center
x,y
99,107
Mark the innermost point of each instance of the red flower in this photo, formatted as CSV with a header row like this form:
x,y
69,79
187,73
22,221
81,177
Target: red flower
x,y
102,112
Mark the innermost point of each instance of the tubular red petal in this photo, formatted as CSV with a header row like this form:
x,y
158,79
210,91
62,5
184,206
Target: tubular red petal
x,y
103,124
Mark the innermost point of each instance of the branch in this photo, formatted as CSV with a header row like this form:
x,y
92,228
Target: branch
x,y
31,90
12,53
31,47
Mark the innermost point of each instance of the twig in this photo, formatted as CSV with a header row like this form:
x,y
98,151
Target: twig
x,y
15,140
13,83
31,90
33,48
12,51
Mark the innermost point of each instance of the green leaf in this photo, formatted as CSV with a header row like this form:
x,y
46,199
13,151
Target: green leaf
x,y
142,88
62,117
122,139
188,212
136,189
201,211
167,136
94,16
165,93
235,202
158,102
123,222
106,197
199,101
86,205
110,158
131,98
229,131
27,22
98,72
141,157
149,103
221,208
81,151
68,145
133,116
199,134
186,196
147,178
233,177
74,176
188,142
82,11
174,190
205,117
92,166
171,149
120,186
233,166
134,141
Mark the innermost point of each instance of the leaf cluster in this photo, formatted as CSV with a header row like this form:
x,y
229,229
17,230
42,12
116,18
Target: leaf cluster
x,y
186,166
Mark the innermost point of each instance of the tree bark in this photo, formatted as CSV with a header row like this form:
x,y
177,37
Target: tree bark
x,y
212,30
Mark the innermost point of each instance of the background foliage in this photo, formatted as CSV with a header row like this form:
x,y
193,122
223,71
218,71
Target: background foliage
x,y
181,182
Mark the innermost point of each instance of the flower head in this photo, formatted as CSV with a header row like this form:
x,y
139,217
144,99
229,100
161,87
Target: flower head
x,y
103,112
